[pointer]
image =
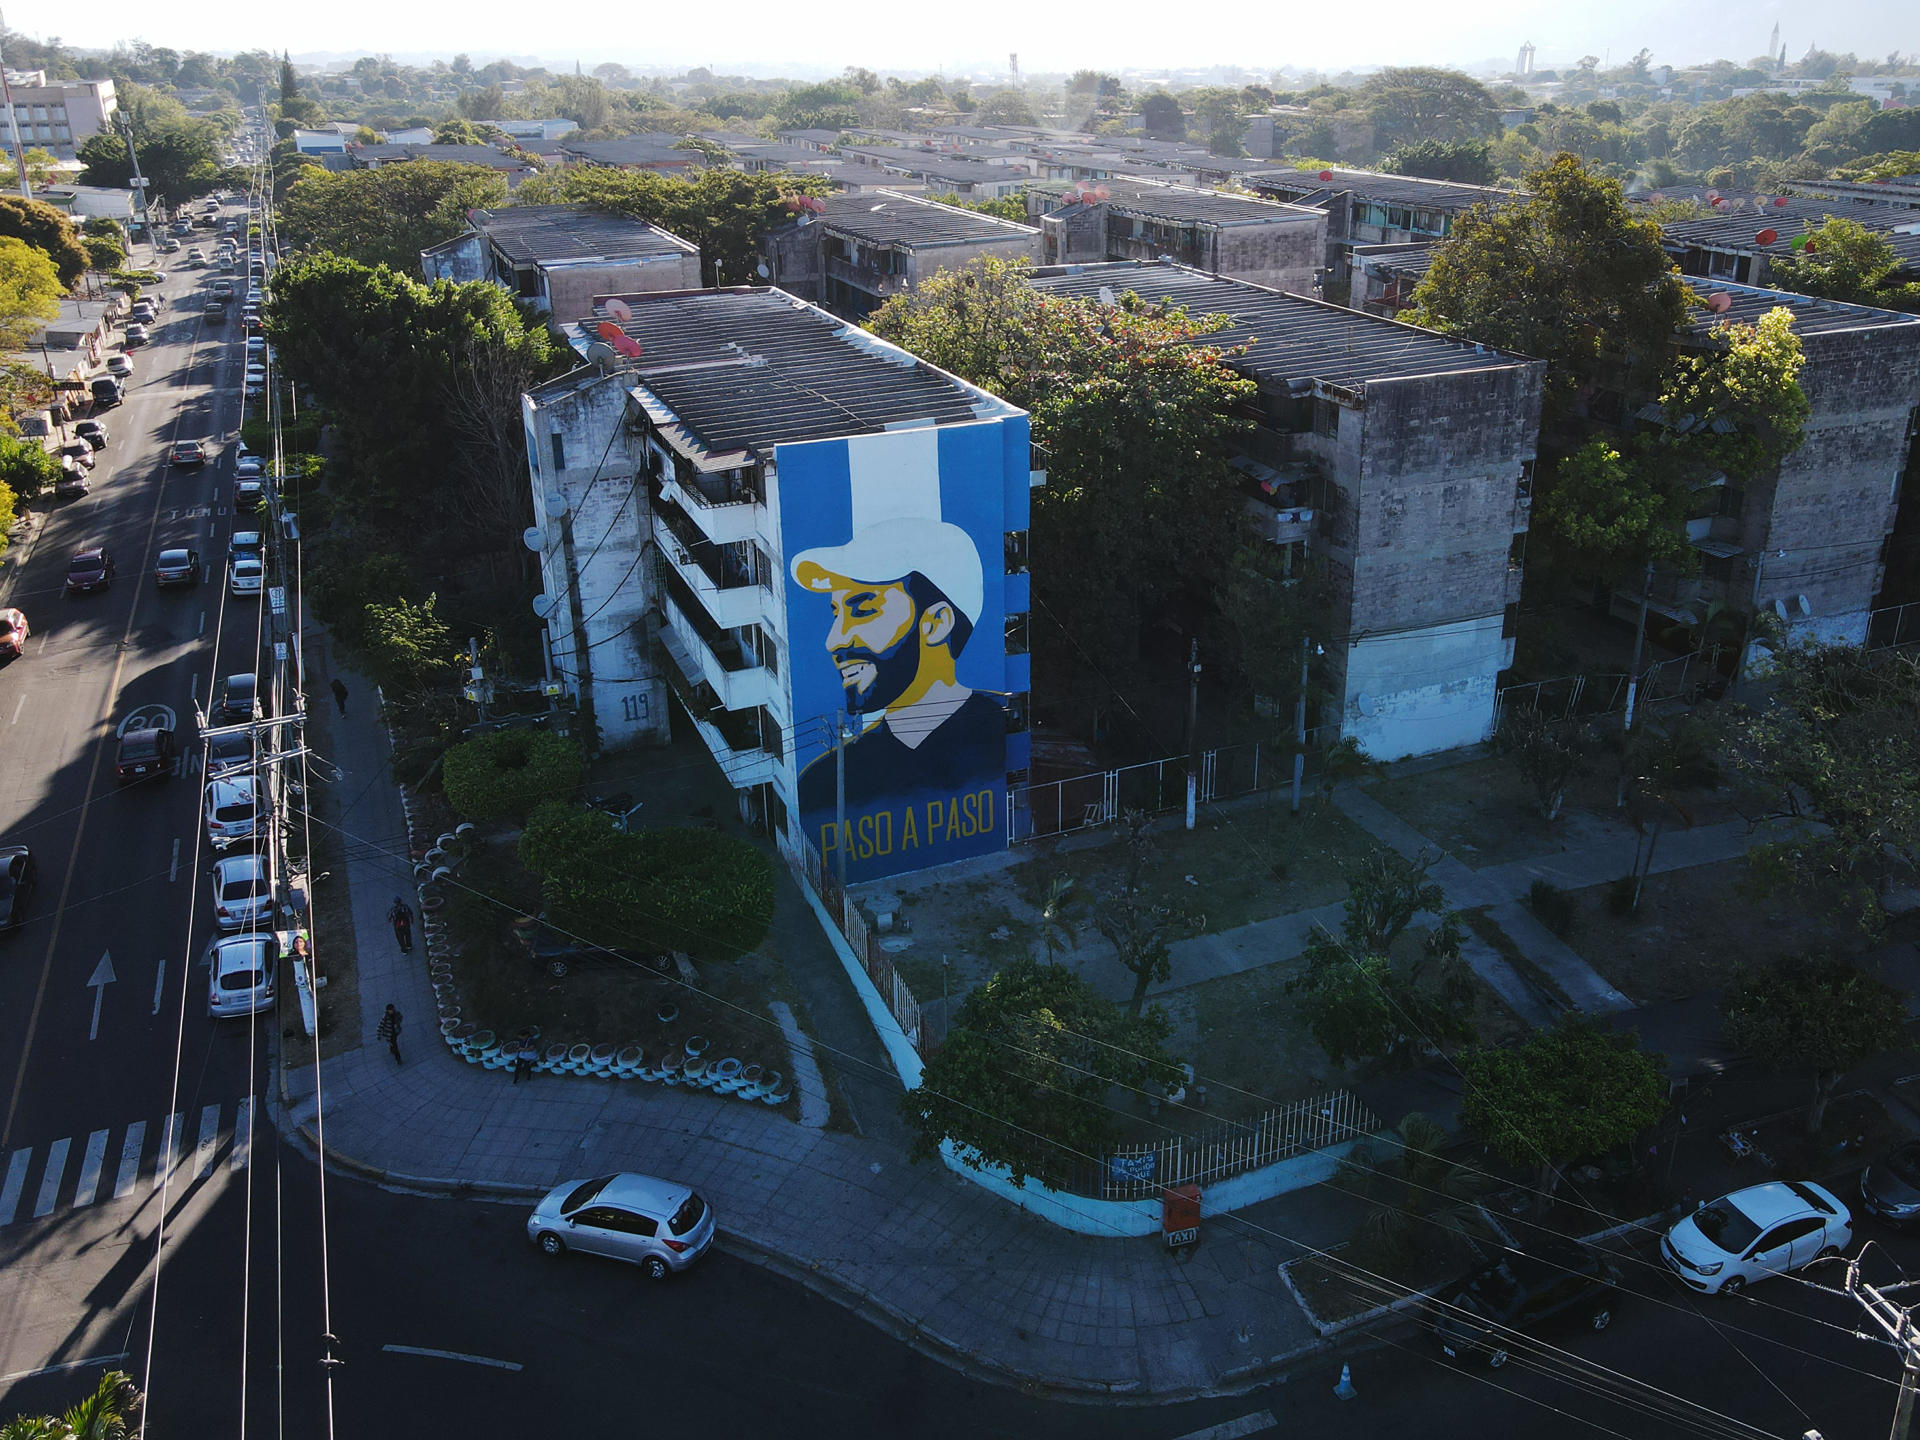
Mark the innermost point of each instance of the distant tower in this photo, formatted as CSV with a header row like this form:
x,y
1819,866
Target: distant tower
x,y
1523,66
1013,63
1775,51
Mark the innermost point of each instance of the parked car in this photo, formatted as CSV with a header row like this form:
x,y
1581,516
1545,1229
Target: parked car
x,y
245,576
168,246
229,808
106,390
72,483
242,892
1552,1287
13,633
240,974
1890,1186
177,566
144,755
143,311
89,570
659,1225
247,544
188,452
1763,1230
238,701
249,493
78,453
16,884
256,379
120,367
135,337
229,754
93,432
249,467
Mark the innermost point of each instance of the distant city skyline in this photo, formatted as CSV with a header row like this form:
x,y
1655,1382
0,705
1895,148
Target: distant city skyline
x,y
758,38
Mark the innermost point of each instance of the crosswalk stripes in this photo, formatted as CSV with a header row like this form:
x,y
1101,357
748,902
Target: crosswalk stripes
x,y
45,1172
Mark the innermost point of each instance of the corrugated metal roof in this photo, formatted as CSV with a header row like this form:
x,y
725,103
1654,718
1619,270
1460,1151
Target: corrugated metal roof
x,y
885,217
1184,204
1371,185
536,233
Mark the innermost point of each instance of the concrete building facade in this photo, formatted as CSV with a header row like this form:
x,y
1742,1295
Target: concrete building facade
x,y
560,257
1402,462
1365,208
62,115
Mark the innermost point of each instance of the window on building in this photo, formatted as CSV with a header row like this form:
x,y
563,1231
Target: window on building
x,y
1016,552
1326,418
559,450
1019,710
1017,634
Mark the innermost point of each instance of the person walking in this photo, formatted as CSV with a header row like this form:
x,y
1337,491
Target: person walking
x,y
340,694
389,1031
400,916
523,1058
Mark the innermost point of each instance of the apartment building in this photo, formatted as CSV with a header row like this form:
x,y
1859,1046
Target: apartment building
x,y
561,256
1401,461
1281,246
371,157
62,115
1744,235
649,150
822,542
1365,208
941,174
860,250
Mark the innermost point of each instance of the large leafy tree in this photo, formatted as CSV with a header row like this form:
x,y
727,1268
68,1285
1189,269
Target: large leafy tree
x,y
1844,260
1413,103
1134,410
1162,117
1469,162
1815,1014
30,291
46,230
1577,1090
1023,1077
1835,751
388,215
179,151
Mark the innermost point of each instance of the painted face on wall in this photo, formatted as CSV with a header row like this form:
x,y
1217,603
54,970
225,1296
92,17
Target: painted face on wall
x,y
874,639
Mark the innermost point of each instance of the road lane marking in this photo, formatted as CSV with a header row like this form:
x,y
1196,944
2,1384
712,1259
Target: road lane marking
x,y
88,1185
159,984
1234,1429
450,1355
103,976
203,625
209,1144
15,1182
169,1149
242,1136
128,1175
17,709
173,874
50,1179
62,1368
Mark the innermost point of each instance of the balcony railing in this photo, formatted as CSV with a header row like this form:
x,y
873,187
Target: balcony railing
x,y
721,578
707,653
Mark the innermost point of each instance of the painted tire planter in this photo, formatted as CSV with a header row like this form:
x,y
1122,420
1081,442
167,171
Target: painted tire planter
x,y
670,1069
432,904
667,1013
600,1060
627,1063
554,1059
778,1094
696,1045
449,1023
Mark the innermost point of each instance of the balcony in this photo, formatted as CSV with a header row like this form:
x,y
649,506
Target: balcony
x,y
720,577
1516,574
724,511
866,279
708,655
747,745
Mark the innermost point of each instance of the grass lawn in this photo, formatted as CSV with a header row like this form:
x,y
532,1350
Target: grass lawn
x,y
1694,926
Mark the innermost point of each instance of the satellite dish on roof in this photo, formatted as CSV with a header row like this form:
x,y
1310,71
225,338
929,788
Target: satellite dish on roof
x,y
608,331
534,538
1365,703
602,354
764,273
627,346
1767,237
555,504
1780,200
1106,295
1720,302
1326,174
619,309
543,606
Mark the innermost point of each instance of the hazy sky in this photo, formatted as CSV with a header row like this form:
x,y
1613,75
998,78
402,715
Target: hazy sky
x,y
975,37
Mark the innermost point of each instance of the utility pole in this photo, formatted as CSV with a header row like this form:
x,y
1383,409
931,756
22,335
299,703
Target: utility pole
x,y
1193,730
841,735
1896,1322
1633,682
1300,722
478,687
139,180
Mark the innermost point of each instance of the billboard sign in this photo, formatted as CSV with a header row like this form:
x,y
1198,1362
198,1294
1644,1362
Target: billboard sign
x,y
896,638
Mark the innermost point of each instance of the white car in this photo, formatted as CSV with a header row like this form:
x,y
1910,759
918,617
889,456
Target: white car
x,y
120,365
1763,1230
659,1225
242,893
240,974
245,576
256,379
249,467
231,810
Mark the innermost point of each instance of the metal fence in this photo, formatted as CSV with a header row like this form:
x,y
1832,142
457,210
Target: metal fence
x,y
1086,802
1682,677
1894,626
1224,1149
860,938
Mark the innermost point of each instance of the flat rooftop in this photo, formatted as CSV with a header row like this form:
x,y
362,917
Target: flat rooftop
x,y
460,154
1185,204
1737,226
1371,184
742,369
885,217
646,148
936,164
1289,337
536,234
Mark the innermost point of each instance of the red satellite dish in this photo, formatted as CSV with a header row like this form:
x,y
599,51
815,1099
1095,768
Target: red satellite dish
x,y
626,345
1767,237
1326,174
610,332
619,309
1713,197
1100,192
1779,199
1720,303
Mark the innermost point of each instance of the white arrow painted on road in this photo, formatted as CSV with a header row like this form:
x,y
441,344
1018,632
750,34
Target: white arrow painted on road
x,y
103,976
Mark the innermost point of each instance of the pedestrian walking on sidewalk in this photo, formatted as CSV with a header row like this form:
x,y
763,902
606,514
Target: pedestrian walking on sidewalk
x,y
523,1058
389,1031
340,694
400,916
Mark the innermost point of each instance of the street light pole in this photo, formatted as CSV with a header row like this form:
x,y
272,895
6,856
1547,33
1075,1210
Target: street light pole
x,y
1633,681
1300,722
1193,729
1896,1322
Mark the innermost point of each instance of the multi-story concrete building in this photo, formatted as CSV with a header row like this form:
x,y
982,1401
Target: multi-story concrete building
x,y
827,538
858,251
1399,459
560,256
62,115
938,173
1280,246
1365,208
648,150
371,157
1739,241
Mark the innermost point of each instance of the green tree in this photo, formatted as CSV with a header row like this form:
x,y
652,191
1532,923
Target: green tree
x,y
1135,410
1561,1095
1022,1078
832,106
1816,1014
455,131
40,165
408,646
388,215
1666,763
1138,929
1005,107
1414,103
1266,606
26,469
30,291
1836,754
487,102
46,230
1470,162
1059,916
1007,207
1220,114
504,774
1844,260
110,1412
1733,404
1547,752
1607,511
1162,117
104,252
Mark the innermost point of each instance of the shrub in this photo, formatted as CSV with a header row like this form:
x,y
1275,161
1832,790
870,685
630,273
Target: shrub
x,y
503,775
1553,905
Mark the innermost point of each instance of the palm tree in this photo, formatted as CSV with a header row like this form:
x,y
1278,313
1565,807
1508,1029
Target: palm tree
x,y
111,1412
1058,916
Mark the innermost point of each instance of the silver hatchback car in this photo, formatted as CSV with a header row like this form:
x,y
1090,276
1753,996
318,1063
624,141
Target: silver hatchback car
x,y
659,1225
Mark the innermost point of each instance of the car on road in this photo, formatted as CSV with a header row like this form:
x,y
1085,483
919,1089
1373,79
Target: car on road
x,y
245,576
89,570
230,810
215,312
16,884
72,484
245,544
249,493
249,467
659,1225
242,892
1520,1293
143,311
77,453
188,452
229,754
93,432
240,974
13,633
223,287
256,379
120,367
168,246
144,754
1763,1230
196,257
183,227
107,390
136,336
252,321
1890,1186
177,566
238,701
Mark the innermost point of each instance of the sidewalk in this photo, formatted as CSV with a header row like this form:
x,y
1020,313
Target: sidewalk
x,y
929,1257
